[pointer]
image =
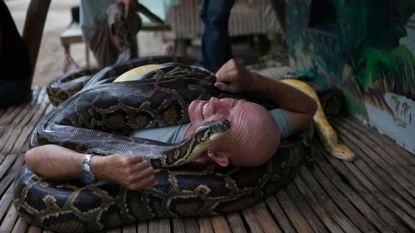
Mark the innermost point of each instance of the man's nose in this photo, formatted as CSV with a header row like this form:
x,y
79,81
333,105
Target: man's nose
x,y
217,106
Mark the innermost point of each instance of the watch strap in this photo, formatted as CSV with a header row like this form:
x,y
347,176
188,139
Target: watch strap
x,y
86,168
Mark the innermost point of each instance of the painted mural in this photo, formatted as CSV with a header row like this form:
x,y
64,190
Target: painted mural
x,y
366,48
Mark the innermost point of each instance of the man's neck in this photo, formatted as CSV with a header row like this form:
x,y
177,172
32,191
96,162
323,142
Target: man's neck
x,y
189,131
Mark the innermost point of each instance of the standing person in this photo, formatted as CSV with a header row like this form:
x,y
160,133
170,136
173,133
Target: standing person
x,y
97,20
216,47
14,62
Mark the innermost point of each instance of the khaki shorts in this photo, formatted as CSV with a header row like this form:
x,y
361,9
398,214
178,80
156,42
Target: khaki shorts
x,y
103,45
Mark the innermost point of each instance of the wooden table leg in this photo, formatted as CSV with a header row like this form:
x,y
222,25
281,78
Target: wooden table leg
x,y
33,29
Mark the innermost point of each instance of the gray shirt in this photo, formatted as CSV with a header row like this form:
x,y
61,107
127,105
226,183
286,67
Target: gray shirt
x,y
175,133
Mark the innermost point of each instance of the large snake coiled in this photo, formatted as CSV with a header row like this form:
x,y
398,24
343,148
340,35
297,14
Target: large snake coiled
x,y
188,190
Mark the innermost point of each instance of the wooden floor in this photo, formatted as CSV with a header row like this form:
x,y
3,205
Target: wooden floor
x,y
375,193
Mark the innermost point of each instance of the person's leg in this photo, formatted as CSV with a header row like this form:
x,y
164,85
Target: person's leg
x,y
216,45
103,47
69,64
115,40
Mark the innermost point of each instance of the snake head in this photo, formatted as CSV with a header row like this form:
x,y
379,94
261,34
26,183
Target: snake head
x,y
203,137
212,130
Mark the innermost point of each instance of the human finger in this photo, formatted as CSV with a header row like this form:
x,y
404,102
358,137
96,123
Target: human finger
x,y
225,87
144,178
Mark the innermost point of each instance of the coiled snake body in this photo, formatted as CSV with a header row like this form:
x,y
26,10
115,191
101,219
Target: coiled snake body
x,y
99,119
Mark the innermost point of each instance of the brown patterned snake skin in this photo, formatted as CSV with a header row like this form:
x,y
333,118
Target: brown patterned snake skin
x,y
99,119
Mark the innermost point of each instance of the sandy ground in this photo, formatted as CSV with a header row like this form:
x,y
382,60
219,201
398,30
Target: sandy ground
x,y
51,53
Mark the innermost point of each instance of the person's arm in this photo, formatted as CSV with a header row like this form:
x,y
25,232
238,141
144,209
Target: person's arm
x,y
300,108
131,7
59,163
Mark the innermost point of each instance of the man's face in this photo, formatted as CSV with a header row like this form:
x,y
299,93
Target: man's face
x,y
202,111
251,127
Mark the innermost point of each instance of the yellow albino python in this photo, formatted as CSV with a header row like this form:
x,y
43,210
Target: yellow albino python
x,y
327,134
98,120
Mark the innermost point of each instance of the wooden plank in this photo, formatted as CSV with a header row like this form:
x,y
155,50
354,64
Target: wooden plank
x,y
348,190
400,183
191,225
4,145
12,137
389,147
164,225
339,196
8,179
5,202
9,220
153,225
379,154
22,114
2,131
32,107
264,218
279,214
302,206
366,204
2,112
43,105
220,224
378,176
252,221
205,225
5,165
142,226
178,225
353,176
114,230
34,229
10,114
293,213
235,222
131,228
17,146
316,205
324,198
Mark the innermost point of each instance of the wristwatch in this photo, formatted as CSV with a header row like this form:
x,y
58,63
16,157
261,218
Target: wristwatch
x,y
87,174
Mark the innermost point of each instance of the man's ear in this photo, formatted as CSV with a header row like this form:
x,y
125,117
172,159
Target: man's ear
x,y
219,157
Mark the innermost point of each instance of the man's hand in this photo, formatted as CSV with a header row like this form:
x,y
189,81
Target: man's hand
x,y
131,172
131,7
233,78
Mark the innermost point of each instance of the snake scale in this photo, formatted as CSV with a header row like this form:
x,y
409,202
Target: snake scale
x,y
105,113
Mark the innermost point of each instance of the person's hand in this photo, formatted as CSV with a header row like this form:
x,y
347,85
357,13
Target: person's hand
x,y
131,172
233,78
131,6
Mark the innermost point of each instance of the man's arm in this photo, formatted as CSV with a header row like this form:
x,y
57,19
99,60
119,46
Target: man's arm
x,y
59,163
300,108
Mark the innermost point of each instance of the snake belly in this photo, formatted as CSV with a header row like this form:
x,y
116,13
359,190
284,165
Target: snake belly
x,y
98,120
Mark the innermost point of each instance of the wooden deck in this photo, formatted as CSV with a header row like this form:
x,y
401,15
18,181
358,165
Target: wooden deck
x,y
375,193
